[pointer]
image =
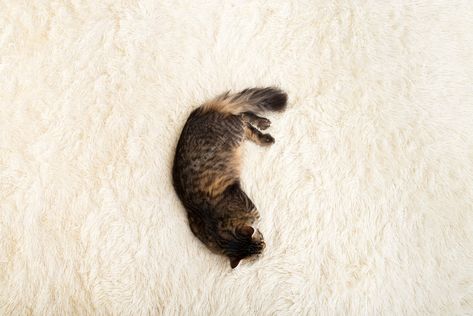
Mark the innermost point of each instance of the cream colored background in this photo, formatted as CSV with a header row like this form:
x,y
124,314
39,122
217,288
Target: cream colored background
x,y
366,197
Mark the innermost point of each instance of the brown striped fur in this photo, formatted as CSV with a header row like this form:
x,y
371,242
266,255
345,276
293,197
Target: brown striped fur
x,y
207,166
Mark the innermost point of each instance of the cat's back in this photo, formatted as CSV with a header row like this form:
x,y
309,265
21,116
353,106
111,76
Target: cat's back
x,y
205,146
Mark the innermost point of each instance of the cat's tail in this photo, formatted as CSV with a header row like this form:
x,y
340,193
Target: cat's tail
x,y
254,100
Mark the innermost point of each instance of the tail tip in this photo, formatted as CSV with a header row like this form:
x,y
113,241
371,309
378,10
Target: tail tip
x,y
276,99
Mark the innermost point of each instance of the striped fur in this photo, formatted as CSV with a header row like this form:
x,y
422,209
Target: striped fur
x,y
207,166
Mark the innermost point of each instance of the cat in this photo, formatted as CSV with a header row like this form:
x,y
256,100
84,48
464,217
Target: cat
x,y
206,169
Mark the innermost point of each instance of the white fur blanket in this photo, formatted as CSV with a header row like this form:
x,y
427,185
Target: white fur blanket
x,y
366,197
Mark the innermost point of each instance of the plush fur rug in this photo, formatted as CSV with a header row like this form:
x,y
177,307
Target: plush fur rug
x,y
366,196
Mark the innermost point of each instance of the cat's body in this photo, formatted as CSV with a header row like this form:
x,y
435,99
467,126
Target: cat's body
x,y
206,170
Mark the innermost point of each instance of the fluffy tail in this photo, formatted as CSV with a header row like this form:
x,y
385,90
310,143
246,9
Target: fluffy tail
x,y
254,100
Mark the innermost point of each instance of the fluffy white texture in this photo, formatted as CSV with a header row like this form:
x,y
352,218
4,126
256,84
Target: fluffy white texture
x,y
366,197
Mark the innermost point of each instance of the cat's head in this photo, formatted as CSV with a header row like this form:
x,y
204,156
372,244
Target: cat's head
x,y
244,242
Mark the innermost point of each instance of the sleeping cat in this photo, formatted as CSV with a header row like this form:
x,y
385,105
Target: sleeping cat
x,y
207,167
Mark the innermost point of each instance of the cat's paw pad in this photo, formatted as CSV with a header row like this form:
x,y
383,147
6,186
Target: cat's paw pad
x,y
267,139
263,123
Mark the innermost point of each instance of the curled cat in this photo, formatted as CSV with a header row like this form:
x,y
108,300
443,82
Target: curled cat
x,y
206,169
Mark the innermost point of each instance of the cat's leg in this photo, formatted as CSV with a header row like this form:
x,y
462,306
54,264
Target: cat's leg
x,y
253,134
260,122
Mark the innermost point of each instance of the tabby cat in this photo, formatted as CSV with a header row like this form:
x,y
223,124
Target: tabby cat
x,y
207,167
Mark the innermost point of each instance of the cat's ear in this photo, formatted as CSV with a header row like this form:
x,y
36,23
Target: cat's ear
x,y
234,262
246,231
